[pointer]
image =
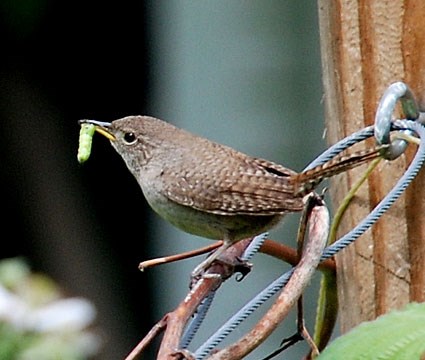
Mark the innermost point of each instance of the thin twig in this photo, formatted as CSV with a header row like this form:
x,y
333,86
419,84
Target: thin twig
x,y
289,255
269,247
177,257
152,334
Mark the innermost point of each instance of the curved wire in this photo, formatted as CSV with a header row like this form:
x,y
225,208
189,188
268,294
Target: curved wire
x,y
197,320
347,239
391,197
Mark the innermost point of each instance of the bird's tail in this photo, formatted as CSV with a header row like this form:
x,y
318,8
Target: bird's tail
x,y
306,181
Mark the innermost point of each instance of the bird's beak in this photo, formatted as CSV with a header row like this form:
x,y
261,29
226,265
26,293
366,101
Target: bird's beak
x,y
101,127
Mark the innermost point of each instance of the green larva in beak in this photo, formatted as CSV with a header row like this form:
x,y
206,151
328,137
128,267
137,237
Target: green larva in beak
x,y
86,137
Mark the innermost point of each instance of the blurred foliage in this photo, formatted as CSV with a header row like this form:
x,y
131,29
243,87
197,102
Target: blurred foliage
x,y
398,335
36,322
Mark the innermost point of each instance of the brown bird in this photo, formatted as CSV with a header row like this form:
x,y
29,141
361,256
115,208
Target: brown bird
x,y
208,189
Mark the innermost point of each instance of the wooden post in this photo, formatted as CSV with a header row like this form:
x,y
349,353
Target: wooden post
x,y
367,45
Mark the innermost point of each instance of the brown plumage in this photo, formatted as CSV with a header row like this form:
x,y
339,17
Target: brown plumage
x,y
210,189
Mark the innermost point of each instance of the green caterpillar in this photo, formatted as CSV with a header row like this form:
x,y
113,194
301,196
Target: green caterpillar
x,y
86,137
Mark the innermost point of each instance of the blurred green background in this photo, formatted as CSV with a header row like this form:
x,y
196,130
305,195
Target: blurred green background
x,y
243,73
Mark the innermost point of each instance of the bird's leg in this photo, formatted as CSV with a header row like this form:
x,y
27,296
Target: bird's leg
x,y
203,266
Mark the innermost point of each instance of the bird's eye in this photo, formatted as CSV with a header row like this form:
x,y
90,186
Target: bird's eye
x,y
130,138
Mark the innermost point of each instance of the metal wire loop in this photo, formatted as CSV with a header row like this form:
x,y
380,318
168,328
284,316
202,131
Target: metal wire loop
x,y
397,91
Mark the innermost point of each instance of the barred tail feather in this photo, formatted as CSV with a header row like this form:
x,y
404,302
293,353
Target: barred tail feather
x,y
308,180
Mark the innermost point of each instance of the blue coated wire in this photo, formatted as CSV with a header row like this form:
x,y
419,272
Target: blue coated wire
x,y
391,197
254,246
197,320
350,237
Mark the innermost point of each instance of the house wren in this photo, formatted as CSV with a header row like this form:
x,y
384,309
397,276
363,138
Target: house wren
x,y
208,189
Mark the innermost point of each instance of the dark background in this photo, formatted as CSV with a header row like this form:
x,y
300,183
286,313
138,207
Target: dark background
x,y
63,61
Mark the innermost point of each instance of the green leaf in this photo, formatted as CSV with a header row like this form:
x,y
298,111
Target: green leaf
x,y
398,335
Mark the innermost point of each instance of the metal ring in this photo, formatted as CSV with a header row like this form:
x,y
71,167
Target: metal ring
x,y
398,91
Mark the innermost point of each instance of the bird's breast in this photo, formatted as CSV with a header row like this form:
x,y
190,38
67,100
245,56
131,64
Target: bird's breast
x,y
209,225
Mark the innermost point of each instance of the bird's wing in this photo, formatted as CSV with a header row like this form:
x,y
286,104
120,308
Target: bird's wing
x,y
238,185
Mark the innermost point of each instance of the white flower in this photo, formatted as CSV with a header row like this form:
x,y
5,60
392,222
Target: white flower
x,y
72,314
31,305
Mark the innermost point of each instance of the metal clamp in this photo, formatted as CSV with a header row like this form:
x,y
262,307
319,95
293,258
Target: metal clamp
x,y
398,91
